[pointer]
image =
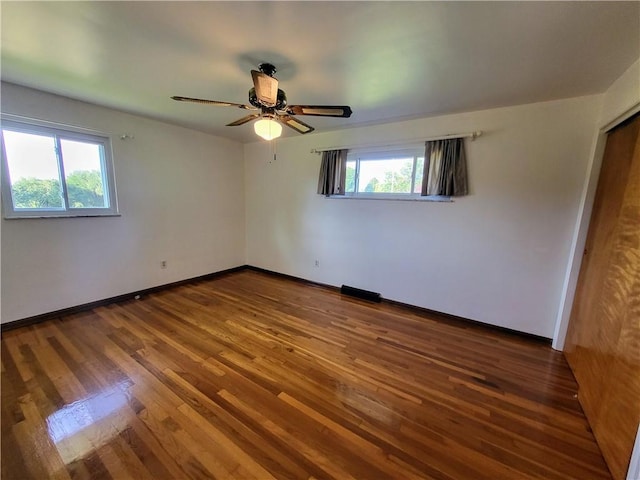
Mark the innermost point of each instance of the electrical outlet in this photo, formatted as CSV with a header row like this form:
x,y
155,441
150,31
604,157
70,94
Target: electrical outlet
x,y
163,264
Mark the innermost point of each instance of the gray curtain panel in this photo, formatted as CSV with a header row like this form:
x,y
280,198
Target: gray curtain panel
x,y
333,171
445,168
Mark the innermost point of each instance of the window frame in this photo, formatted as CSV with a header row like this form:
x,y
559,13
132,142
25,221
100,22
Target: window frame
x,y
359,155
59,133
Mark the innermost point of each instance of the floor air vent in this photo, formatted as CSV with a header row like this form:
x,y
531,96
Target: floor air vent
x,y
358,293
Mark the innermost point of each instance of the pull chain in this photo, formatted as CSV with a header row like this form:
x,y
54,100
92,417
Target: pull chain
x,y
274,150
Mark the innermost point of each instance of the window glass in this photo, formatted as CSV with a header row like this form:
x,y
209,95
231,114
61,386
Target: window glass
x,y
385,174
350,182
84,174
35,178
417,188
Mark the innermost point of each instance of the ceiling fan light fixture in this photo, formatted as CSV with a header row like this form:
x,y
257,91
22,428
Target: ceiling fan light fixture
x,y
270,108
267,128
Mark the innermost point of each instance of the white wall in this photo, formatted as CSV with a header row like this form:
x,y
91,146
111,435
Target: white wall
x,y
181,196
619,102
497,256
622,96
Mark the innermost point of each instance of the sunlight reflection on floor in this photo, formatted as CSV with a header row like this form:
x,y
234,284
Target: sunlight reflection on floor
x,y
85,424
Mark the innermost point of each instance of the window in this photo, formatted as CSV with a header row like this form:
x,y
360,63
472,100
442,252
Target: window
x,y
51,172
385,174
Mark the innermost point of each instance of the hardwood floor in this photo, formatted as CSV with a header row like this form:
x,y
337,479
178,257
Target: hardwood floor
x,y
255,376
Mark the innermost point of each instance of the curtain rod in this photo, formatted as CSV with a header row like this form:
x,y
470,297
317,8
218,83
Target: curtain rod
x,y
471,135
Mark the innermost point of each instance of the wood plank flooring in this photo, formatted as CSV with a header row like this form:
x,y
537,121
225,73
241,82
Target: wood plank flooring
x,y
253,376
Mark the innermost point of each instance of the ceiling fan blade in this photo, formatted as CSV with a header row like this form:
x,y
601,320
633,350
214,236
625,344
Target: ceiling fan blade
x,y
243,120
296,124
212,102
266,88
343,111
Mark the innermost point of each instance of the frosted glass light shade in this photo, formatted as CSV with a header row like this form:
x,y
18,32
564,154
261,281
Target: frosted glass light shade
x,y
267,128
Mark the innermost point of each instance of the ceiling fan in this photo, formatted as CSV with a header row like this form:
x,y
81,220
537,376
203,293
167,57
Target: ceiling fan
x,y
269,104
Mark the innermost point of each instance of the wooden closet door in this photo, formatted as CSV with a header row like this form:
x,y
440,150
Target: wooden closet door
x,y
603,341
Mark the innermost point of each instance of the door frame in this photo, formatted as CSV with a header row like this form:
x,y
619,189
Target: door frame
x,y
582,228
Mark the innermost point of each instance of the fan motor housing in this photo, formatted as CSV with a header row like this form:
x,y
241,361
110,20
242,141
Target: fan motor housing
x,y
281,101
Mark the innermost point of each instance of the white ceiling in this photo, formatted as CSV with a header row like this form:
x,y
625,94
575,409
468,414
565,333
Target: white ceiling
x,y
387,60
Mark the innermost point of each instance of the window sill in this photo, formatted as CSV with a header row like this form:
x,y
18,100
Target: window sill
x,y
402,198
62,215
